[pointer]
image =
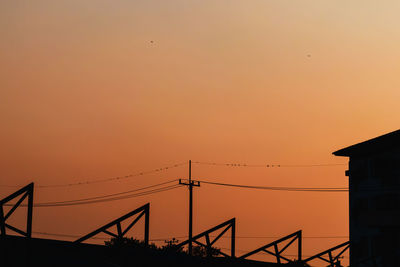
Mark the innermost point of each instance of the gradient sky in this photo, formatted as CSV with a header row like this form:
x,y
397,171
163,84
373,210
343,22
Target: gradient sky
x,y
95,89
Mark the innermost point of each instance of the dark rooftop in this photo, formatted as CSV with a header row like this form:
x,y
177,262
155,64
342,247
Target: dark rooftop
x,y
381,143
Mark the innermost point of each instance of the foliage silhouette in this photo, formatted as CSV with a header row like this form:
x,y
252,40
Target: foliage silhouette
x,y
201,251
169,247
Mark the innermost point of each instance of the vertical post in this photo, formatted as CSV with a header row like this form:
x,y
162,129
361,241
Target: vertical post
x,y
299,245
331,259
4,257
119,230
233,238
146,224
30,211
209,254
190,184
29,225
190,208
2,222
352,228
277,254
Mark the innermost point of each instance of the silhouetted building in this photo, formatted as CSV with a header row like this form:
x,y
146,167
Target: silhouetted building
x,y
374,200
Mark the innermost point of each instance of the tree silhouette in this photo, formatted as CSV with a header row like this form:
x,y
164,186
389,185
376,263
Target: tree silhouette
x,y
201,251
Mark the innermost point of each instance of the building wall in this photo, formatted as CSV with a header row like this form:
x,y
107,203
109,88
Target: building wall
x,y
374,197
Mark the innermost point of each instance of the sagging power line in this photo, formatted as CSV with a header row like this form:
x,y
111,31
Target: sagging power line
x,y
157,189
143,191
275,188
112,197
185,236
142,173
115,178
163,189
115,194
138,213
268,165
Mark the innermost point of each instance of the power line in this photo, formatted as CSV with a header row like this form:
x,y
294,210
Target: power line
x,y
95,237
300,189
288,255
115,194
67,235
157,189
109,197
180,237
270,237
149,192
100,238
116,178
177,237
269,165
169,238
264,237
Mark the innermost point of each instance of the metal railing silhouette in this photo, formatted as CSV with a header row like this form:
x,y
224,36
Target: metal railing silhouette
x,y
278,252
230,224
144,210
332,260
275,248
25,192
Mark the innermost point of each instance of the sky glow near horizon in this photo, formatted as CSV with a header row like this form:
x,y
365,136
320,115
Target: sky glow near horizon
x,y
93,89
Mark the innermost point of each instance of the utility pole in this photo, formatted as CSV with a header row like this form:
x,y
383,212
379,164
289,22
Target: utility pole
x,y
190,185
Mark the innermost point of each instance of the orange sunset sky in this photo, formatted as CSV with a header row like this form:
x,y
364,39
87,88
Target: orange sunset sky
x,y
96,89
